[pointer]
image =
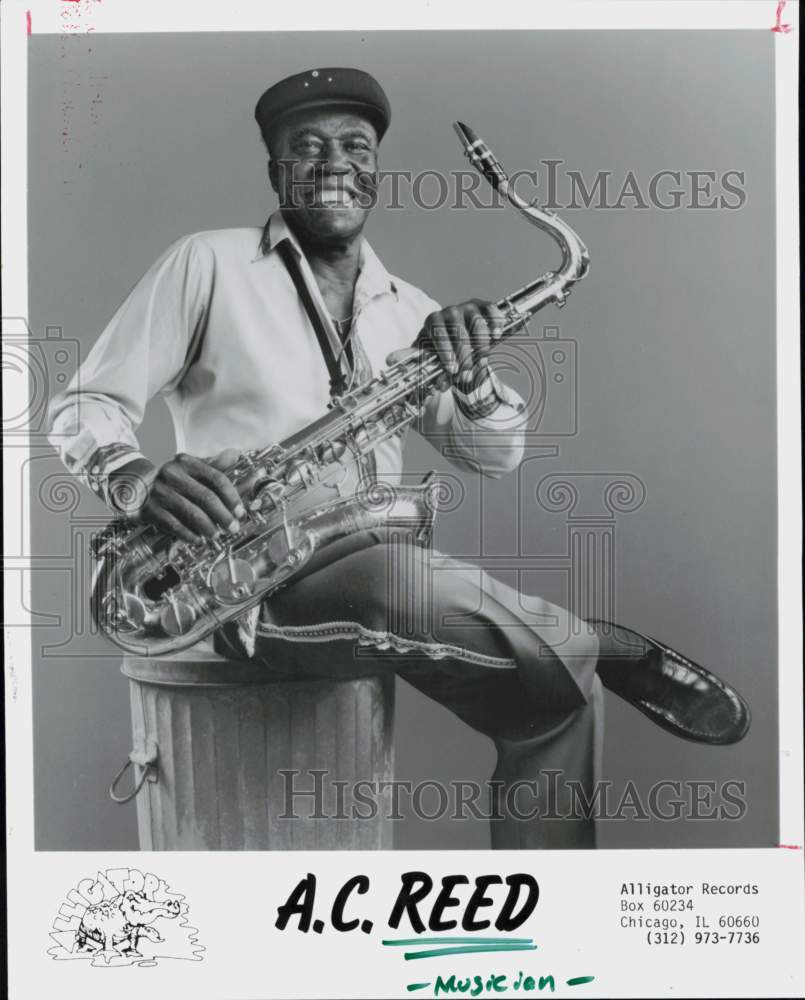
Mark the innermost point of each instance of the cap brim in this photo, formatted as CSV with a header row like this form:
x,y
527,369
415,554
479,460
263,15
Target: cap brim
x,y
373,114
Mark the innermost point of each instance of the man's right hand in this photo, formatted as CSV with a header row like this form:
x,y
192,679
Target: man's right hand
x,y
188,497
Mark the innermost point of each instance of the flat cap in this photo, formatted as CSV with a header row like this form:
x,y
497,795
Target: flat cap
x,y
319,87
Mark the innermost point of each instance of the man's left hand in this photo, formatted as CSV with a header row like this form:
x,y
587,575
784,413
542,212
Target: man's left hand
x,y
462,336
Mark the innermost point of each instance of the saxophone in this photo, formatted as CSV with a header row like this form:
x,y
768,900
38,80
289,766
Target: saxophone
x,y
152,594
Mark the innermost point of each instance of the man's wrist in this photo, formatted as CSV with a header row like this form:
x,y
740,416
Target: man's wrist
x,y
128,486
482,397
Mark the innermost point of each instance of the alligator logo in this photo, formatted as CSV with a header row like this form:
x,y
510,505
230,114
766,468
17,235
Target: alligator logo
x,y
123,917
118,923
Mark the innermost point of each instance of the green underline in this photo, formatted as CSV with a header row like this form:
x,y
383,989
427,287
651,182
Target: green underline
x,y
456,940
468,950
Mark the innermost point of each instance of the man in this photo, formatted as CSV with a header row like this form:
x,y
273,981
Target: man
x,y
246,332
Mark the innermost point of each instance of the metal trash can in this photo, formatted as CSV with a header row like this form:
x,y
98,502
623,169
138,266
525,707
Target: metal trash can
x,y
211,740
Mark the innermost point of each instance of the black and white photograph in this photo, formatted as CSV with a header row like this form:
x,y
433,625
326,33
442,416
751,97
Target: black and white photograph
x,y
403,462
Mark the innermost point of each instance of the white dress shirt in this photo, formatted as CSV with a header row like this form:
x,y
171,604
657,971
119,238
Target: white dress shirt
x,y
216,327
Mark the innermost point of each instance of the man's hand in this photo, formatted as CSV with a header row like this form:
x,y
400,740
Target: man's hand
x,y
188,497
461,336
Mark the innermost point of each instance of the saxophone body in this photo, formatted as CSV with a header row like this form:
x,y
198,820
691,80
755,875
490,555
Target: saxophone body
x,y
153,594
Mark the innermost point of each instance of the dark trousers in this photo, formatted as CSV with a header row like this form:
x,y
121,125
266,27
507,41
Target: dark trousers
x,y
514,667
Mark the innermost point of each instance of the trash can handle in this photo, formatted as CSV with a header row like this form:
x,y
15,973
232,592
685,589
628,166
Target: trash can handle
x,y
147,761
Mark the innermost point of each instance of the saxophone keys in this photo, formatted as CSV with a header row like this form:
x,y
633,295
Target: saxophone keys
x,y
361,437
124,613
178,552
232,580
134,611
178,617
331,451
270,496
299,473
335,477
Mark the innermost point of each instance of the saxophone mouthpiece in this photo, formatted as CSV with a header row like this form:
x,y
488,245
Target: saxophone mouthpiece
x,y
466,135
480,155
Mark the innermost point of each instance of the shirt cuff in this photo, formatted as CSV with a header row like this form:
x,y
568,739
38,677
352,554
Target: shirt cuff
x,y
126,495
483,394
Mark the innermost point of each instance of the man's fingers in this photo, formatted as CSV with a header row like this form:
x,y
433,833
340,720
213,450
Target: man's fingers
x,y
172,525
224,459
220,485
495,318
405,353
191,497
465,355
207,513
187,512
485,323
462,337
471,341
442,343
480,334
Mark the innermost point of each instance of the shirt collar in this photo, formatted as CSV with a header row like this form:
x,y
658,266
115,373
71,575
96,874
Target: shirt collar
x,y
373,278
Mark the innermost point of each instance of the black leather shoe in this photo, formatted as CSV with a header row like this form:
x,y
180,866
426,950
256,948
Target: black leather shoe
x,y
672,691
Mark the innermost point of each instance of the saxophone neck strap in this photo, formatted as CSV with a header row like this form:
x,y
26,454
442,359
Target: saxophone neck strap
x,y
321,324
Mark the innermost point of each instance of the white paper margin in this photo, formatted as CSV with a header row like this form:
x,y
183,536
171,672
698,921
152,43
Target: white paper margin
x,y
31,973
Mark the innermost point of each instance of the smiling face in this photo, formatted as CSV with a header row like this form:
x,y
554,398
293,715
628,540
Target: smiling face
x,y
324,169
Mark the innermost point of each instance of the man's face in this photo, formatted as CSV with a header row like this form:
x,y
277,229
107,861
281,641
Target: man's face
x,y
324,169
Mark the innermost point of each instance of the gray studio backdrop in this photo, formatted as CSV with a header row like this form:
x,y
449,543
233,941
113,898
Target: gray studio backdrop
x,y
135,140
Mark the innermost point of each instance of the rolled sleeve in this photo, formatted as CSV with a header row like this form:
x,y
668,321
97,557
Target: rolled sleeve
x,y
479,425
143,351
483,430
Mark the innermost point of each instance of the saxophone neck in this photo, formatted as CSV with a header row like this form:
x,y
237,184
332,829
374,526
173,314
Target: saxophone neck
x,y
554,286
